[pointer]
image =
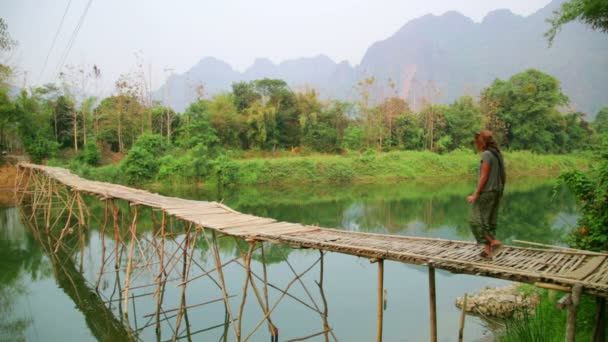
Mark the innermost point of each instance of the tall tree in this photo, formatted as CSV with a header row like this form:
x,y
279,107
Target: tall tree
x,y
591,12
524,104
463,119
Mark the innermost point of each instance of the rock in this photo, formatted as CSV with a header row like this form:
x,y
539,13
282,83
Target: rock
x,y
501,302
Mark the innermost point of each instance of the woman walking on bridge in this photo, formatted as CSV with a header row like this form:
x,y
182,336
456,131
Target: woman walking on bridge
x,y
486,198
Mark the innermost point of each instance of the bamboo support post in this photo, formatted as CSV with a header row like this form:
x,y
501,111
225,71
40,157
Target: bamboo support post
x,y
267,314
320,284
433,304
463,314
272,329
380,304
246,284
182,303
132,229
571,301
599,329
159,277
216,255
103,243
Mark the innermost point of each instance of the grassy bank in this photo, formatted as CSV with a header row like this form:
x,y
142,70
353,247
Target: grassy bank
x,y
548,323
363,167
372,166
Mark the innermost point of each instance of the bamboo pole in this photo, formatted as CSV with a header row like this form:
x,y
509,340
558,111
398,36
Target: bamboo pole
x,y
159,278
433,304
267,314
218,263
246,284
103,243
271,326
185,271
571,319
320,284
130,261
463,314
380,304
599,329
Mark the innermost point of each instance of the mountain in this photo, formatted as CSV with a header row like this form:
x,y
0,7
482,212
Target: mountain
x,y
320,72
439,58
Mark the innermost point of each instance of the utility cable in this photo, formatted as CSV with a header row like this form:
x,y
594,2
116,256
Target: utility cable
x,y
54,39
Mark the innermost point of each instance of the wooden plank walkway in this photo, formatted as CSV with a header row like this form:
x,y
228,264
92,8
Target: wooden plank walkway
x,y
530,265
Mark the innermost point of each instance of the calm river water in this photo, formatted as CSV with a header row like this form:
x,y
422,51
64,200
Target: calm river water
x,y
46,297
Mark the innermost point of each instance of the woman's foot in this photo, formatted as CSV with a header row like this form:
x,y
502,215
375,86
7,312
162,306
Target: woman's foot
x,y
485,255
495,244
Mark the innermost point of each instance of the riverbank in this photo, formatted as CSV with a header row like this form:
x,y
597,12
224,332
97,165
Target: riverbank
x,y
398,165
352,168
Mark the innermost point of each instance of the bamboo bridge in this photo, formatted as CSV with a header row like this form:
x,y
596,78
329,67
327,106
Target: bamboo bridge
x,y
568,270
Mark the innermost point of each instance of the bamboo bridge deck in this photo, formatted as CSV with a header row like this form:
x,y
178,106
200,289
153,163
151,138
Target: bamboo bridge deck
x,y
555,267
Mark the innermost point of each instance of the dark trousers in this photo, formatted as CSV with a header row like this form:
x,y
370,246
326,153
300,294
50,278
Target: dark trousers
x,y
483,216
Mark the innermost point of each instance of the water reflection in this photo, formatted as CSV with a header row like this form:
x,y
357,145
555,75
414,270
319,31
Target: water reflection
x,y
90,266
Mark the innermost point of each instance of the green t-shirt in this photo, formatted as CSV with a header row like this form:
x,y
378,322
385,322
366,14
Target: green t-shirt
x,y
494,182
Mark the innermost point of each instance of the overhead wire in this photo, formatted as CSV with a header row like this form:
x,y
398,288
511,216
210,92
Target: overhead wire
x,y
46,60
66,52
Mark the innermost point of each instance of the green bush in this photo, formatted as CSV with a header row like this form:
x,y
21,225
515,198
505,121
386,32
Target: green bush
x,y
40,148
90,154
139,166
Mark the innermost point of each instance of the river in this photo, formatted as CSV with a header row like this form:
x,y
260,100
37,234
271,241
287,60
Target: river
x,y
46,297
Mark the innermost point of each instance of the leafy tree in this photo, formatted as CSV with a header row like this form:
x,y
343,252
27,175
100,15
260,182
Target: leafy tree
x,y
353,138
117,121
244,95
63,116
7,120
390,110
463,119
600,124
579,132
409,135
591,191
432,120
591,12
197,130
225,120
91,154
142,162
34,131
524,104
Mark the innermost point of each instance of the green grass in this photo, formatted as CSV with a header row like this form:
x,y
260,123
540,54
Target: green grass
x,y
371,166
548,324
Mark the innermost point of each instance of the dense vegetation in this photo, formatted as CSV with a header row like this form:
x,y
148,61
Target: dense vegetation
x,y
265,117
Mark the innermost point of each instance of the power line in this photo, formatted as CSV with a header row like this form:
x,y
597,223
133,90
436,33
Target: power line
x,y
66,53
54,39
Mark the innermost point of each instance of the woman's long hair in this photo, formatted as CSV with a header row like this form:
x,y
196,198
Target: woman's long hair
x,y
484,140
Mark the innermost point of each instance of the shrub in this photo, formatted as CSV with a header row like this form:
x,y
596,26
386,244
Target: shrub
x,y
40,148
91,154
139,166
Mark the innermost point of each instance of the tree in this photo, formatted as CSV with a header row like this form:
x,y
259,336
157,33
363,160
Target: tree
x,y
389,110
65,122
463,119
6,44
225,120
591,191
244,95
524,104
117,117
591,12
600,124
433,123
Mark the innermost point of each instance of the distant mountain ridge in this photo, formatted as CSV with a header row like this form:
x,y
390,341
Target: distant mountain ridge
x,y
450,53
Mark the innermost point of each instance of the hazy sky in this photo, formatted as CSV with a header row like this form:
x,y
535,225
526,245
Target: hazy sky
x,y
177,34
